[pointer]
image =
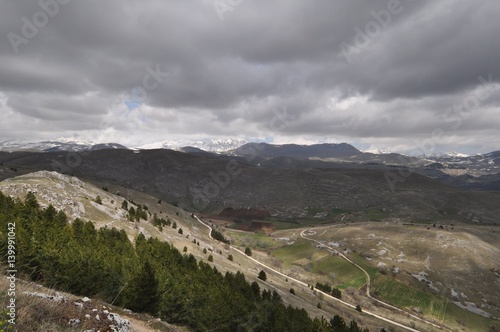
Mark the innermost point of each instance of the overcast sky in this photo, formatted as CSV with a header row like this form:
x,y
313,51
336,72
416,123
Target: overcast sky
x,y
408,76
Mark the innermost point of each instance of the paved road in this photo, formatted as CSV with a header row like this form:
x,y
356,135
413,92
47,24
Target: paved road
x,y
317,290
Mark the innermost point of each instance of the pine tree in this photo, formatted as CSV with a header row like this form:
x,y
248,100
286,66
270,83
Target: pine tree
x,y
338,324
141,293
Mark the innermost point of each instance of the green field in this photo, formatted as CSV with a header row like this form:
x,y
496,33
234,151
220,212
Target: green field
x,y
337,212
253,240
283,224
300,249
341,273
375,214
456,316
372,271
405,296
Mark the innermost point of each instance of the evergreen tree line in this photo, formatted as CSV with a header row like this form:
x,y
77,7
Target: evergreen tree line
x,y
146,276
335,292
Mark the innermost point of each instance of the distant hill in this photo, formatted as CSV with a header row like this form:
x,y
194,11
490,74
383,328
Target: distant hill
x,y
195,151
211,183
326,150
51,146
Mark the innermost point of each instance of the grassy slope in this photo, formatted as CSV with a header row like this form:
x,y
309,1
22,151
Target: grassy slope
x,y
405,291
304,297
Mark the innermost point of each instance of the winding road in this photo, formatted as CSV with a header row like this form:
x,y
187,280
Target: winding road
x,y
368,282
326,294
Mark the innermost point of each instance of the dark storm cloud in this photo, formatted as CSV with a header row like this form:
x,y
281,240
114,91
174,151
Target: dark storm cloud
x,y
384,71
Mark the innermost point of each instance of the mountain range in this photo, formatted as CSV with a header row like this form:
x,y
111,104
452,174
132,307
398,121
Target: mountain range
x,y
284,186
380,202
48,146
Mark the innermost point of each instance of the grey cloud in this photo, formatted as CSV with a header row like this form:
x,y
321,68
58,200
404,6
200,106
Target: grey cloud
x,y
235,73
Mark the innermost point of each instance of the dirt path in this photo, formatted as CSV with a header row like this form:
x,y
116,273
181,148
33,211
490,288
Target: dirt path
x,y
368,282
139,326
324,294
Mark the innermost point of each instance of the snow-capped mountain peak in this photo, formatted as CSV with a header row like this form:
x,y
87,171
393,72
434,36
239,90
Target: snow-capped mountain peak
x,y
211,145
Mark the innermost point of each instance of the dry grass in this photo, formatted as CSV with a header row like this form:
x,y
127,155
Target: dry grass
x,y
44,315
457,258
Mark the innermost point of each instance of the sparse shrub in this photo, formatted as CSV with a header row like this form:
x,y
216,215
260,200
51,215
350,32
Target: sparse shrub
x,y
98,199
218,236
336,293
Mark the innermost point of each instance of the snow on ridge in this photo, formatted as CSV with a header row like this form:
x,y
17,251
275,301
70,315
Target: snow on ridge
x,y
211,145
